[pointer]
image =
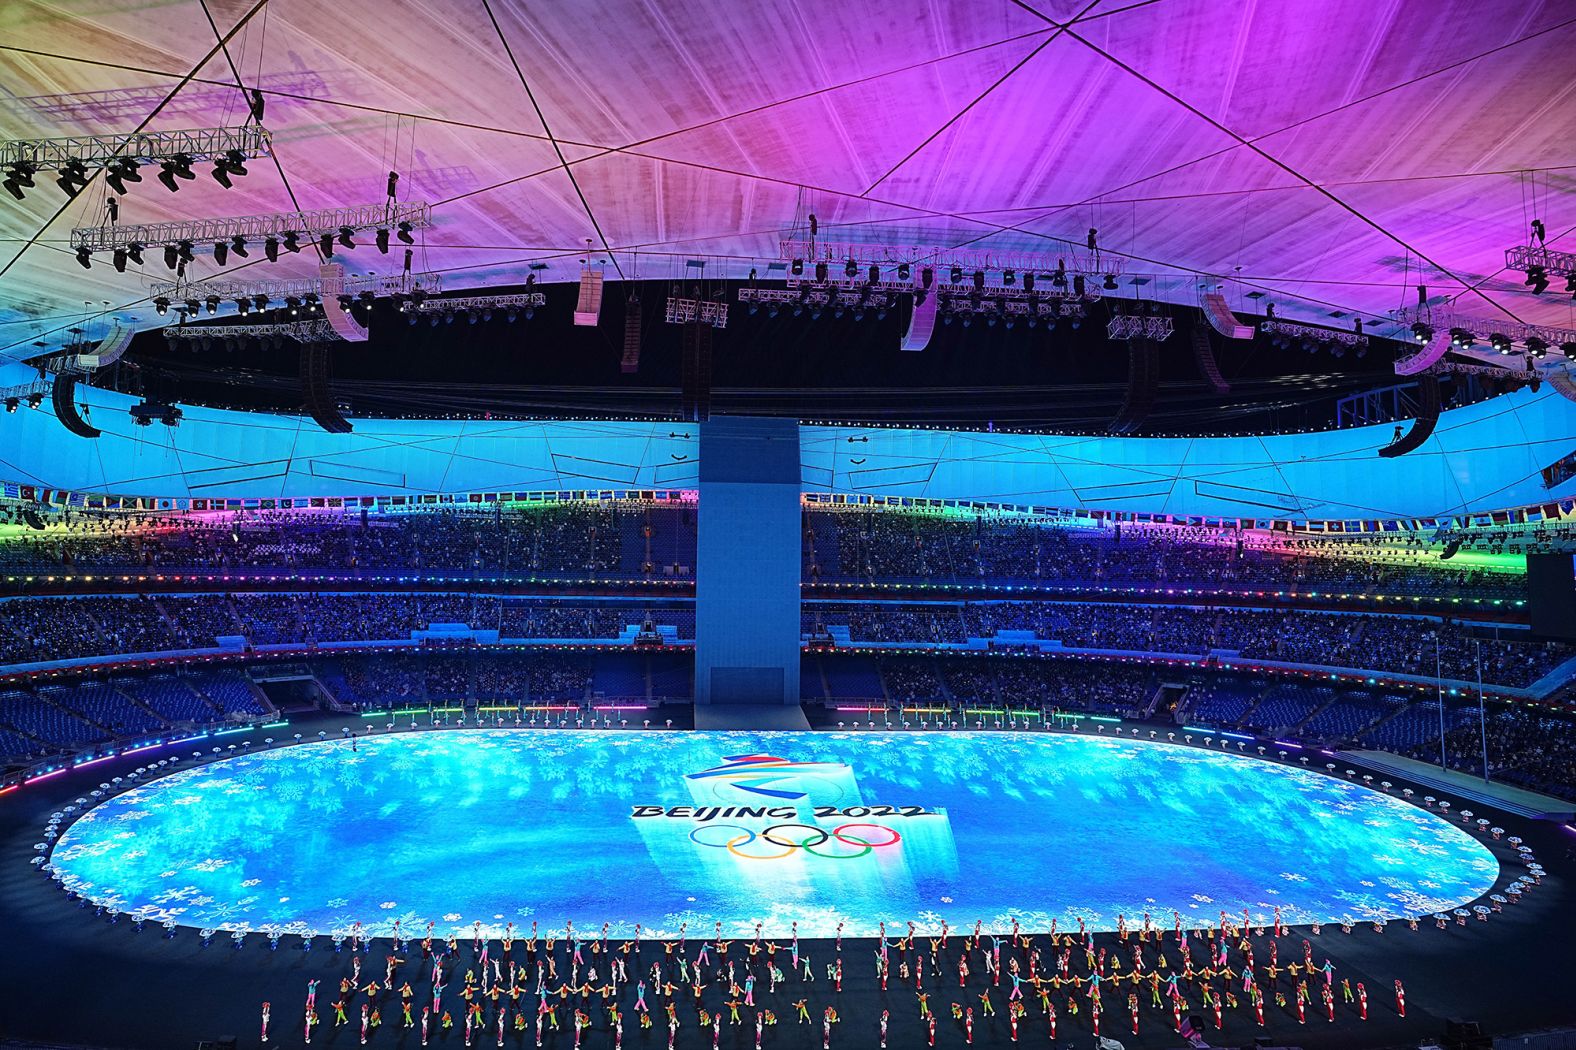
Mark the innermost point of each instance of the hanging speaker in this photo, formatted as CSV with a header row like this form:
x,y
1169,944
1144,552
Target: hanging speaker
x,y
64,396
315,391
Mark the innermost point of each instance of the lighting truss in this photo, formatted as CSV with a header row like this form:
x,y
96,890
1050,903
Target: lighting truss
x,y
1292,330
683,311
228,290
255,228
938,259
316,330
146,147
1135,326
967,301
527,300
815,297
1553,263
1525,375
1445,318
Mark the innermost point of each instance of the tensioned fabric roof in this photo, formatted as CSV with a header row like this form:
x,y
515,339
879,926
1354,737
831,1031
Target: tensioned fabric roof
x,y
1331,155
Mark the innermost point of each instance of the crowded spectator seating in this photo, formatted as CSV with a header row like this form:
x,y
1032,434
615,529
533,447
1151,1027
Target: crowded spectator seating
x,y
590,539
43,629
933,547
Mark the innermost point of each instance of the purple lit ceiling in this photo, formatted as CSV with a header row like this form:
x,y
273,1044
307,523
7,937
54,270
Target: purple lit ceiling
x,y
1329,153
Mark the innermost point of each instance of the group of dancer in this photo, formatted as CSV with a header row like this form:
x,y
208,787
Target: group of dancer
x,y
528,986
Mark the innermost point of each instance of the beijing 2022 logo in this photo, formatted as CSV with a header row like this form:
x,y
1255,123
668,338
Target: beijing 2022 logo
x,y
807,784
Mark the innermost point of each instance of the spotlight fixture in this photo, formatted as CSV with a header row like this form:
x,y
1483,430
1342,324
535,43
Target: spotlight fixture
x,y
850,269
1537,280
1009,277
293,304
243,306
183,251
271,249
1570,285
177,167
134,252
212,304
18,176
192,307
1500,342
120,171
796,268
1028,282
1109,284
956,276
35,399
232,163
874,276
383,239
72,177
345,237
402,231
821,272
119,259
979,279
171,256
85,258
1059,278
325,244
260,302
1536,347
221,253
1569,350
1421,333
1459,339
902,272
161,306
292,241
11,404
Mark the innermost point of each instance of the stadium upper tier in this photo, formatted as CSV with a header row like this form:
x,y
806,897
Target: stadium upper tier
x,y
634,542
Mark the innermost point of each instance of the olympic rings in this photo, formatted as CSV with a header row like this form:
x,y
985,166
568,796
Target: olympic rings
x,y
809,845
825,835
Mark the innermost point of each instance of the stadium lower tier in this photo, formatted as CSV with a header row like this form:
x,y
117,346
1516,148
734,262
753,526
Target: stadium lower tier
x,y
35,630
1529,746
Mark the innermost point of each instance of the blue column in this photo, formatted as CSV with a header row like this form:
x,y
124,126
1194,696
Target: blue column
x,y
747,566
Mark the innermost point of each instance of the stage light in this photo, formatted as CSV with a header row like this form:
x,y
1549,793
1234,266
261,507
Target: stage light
x,y
1078,284
979,279
956,275
1570,285
119,259
292,241
1109,284
325,244
1537,347
35,399
271,249
134,252
259,302
850,269
293,304
243,306
183,251
19,176
1537,280
177,167
345,302
1028,281
221,253
1059,278
1569,350
11,404
1421,333
402,231
71,177
1009,277
383,240
902,272
345,236
85,258
821,272
120,171
212,303
161,306
1500,342
232,163
874,275
171,256
192,307
797,268
1458,339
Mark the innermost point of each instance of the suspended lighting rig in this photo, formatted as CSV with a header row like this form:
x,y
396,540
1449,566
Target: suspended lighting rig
x,y
71,158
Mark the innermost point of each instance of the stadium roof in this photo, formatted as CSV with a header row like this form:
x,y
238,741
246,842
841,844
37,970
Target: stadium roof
x,y
1331,156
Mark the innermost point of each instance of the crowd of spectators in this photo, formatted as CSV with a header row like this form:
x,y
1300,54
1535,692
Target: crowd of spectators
x,y
41,629
580,540
1525,748
923,547
1389,643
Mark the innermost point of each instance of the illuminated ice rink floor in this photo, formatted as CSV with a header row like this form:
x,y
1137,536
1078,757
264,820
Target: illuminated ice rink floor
x,y
495,826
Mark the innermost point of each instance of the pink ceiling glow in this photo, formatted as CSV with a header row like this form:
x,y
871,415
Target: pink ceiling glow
x,y
1328,153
